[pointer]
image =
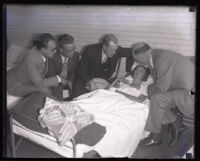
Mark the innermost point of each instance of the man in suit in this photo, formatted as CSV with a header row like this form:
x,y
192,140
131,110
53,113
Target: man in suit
x,y
29,76
99,61
64,64
173,87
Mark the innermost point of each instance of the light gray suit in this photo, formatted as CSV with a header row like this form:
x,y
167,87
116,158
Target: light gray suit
x,y
174,79
29,76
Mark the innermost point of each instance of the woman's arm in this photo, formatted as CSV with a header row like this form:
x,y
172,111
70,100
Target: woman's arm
x,y
133,98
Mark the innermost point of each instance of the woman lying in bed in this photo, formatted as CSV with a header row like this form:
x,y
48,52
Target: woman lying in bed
x,y
123,118
133,84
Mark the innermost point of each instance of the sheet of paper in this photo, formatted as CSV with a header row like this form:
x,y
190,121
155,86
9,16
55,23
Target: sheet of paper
x,y
65,93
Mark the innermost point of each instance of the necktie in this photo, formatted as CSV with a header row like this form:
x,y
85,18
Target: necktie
x,y
46,67
153,74
64,68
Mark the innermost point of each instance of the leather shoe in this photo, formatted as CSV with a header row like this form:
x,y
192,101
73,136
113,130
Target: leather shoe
x,y
152,142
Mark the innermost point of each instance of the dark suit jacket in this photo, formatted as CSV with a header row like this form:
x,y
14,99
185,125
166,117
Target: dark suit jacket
x,y
90,64
55,66
129,63
29,74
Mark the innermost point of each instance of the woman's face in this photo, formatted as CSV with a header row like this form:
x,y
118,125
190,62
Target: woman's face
x,y
139,72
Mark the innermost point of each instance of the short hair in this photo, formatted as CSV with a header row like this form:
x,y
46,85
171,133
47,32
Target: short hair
x,y
65,39
108,38
146,75
140,47
42,40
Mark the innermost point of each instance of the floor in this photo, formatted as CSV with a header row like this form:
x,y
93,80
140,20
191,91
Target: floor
x,y
29,150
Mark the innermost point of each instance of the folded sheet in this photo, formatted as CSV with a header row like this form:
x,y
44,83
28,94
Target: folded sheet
x,y
63,119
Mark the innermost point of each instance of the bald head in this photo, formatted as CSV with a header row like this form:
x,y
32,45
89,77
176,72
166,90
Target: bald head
x,y
141,53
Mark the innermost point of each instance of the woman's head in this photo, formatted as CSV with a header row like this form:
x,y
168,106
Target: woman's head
x,y
141,72
46,44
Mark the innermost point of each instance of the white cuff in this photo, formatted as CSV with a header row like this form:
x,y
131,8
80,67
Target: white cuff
x,y
59,80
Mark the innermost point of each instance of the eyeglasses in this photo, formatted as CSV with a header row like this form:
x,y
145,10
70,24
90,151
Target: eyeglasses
x,y
52,50
68,49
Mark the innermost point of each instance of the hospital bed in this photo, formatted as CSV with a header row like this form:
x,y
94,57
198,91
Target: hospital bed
x,y
33,132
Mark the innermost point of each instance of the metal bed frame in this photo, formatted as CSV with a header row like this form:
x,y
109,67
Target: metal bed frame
x,y
14,146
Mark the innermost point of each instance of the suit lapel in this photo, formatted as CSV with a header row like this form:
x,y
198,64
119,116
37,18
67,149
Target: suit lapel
x,y
153,70
46,67
41,64
70,64
58,62
98,58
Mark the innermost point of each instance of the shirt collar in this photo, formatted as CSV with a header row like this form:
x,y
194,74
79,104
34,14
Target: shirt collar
x,y
151,61
103,55
44,59
64,58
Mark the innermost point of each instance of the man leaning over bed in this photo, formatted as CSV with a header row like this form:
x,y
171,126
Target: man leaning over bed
x,y
64,63
30,75
99,61
173,88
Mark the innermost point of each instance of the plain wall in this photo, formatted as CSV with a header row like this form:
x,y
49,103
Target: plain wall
x,y
160,26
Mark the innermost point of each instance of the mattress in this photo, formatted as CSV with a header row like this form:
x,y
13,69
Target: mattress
x,y
44,140
123,119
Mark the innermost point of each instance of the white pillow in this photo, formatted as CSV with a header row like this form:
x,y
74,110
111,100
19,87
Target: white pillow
x,y
15,54
12,101
99,83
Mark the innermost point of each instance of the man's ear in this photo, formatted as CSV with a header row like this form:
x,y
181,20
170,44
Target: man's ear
x,y
42,50
60,49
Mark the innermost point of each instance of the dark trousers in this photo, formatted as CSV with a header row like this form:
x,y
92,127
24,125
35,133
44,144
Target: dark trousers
x,y
78,88
186,141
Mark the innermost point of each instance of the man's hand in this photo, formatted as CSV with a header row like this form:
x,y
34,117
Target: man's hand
x,y
142,97
123,80
97,83
63,80
91,85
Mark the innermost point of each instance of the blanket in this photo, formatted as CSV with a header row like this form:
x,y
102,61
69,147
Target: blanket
x,y
63,119
26,112
123,118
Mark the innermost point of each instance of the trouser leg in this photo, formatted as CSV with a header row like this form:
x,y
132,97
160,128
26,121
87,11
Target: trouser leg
x,y
186,141
185,104
23,90
78,88
58,92
159,111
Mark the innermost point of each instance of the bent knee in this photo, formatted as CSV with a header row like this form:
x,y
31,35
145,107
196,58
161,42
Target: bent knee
x,y
46,90
157,96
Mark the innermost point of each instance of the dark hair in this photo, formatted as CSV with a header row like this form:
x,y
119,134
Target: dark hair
x,y
146,75
140,48
42,40
65,39
108,38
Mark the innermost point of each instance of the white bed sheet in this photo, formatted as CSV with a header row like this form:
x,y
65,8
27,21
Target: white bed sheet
x,y
124,121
